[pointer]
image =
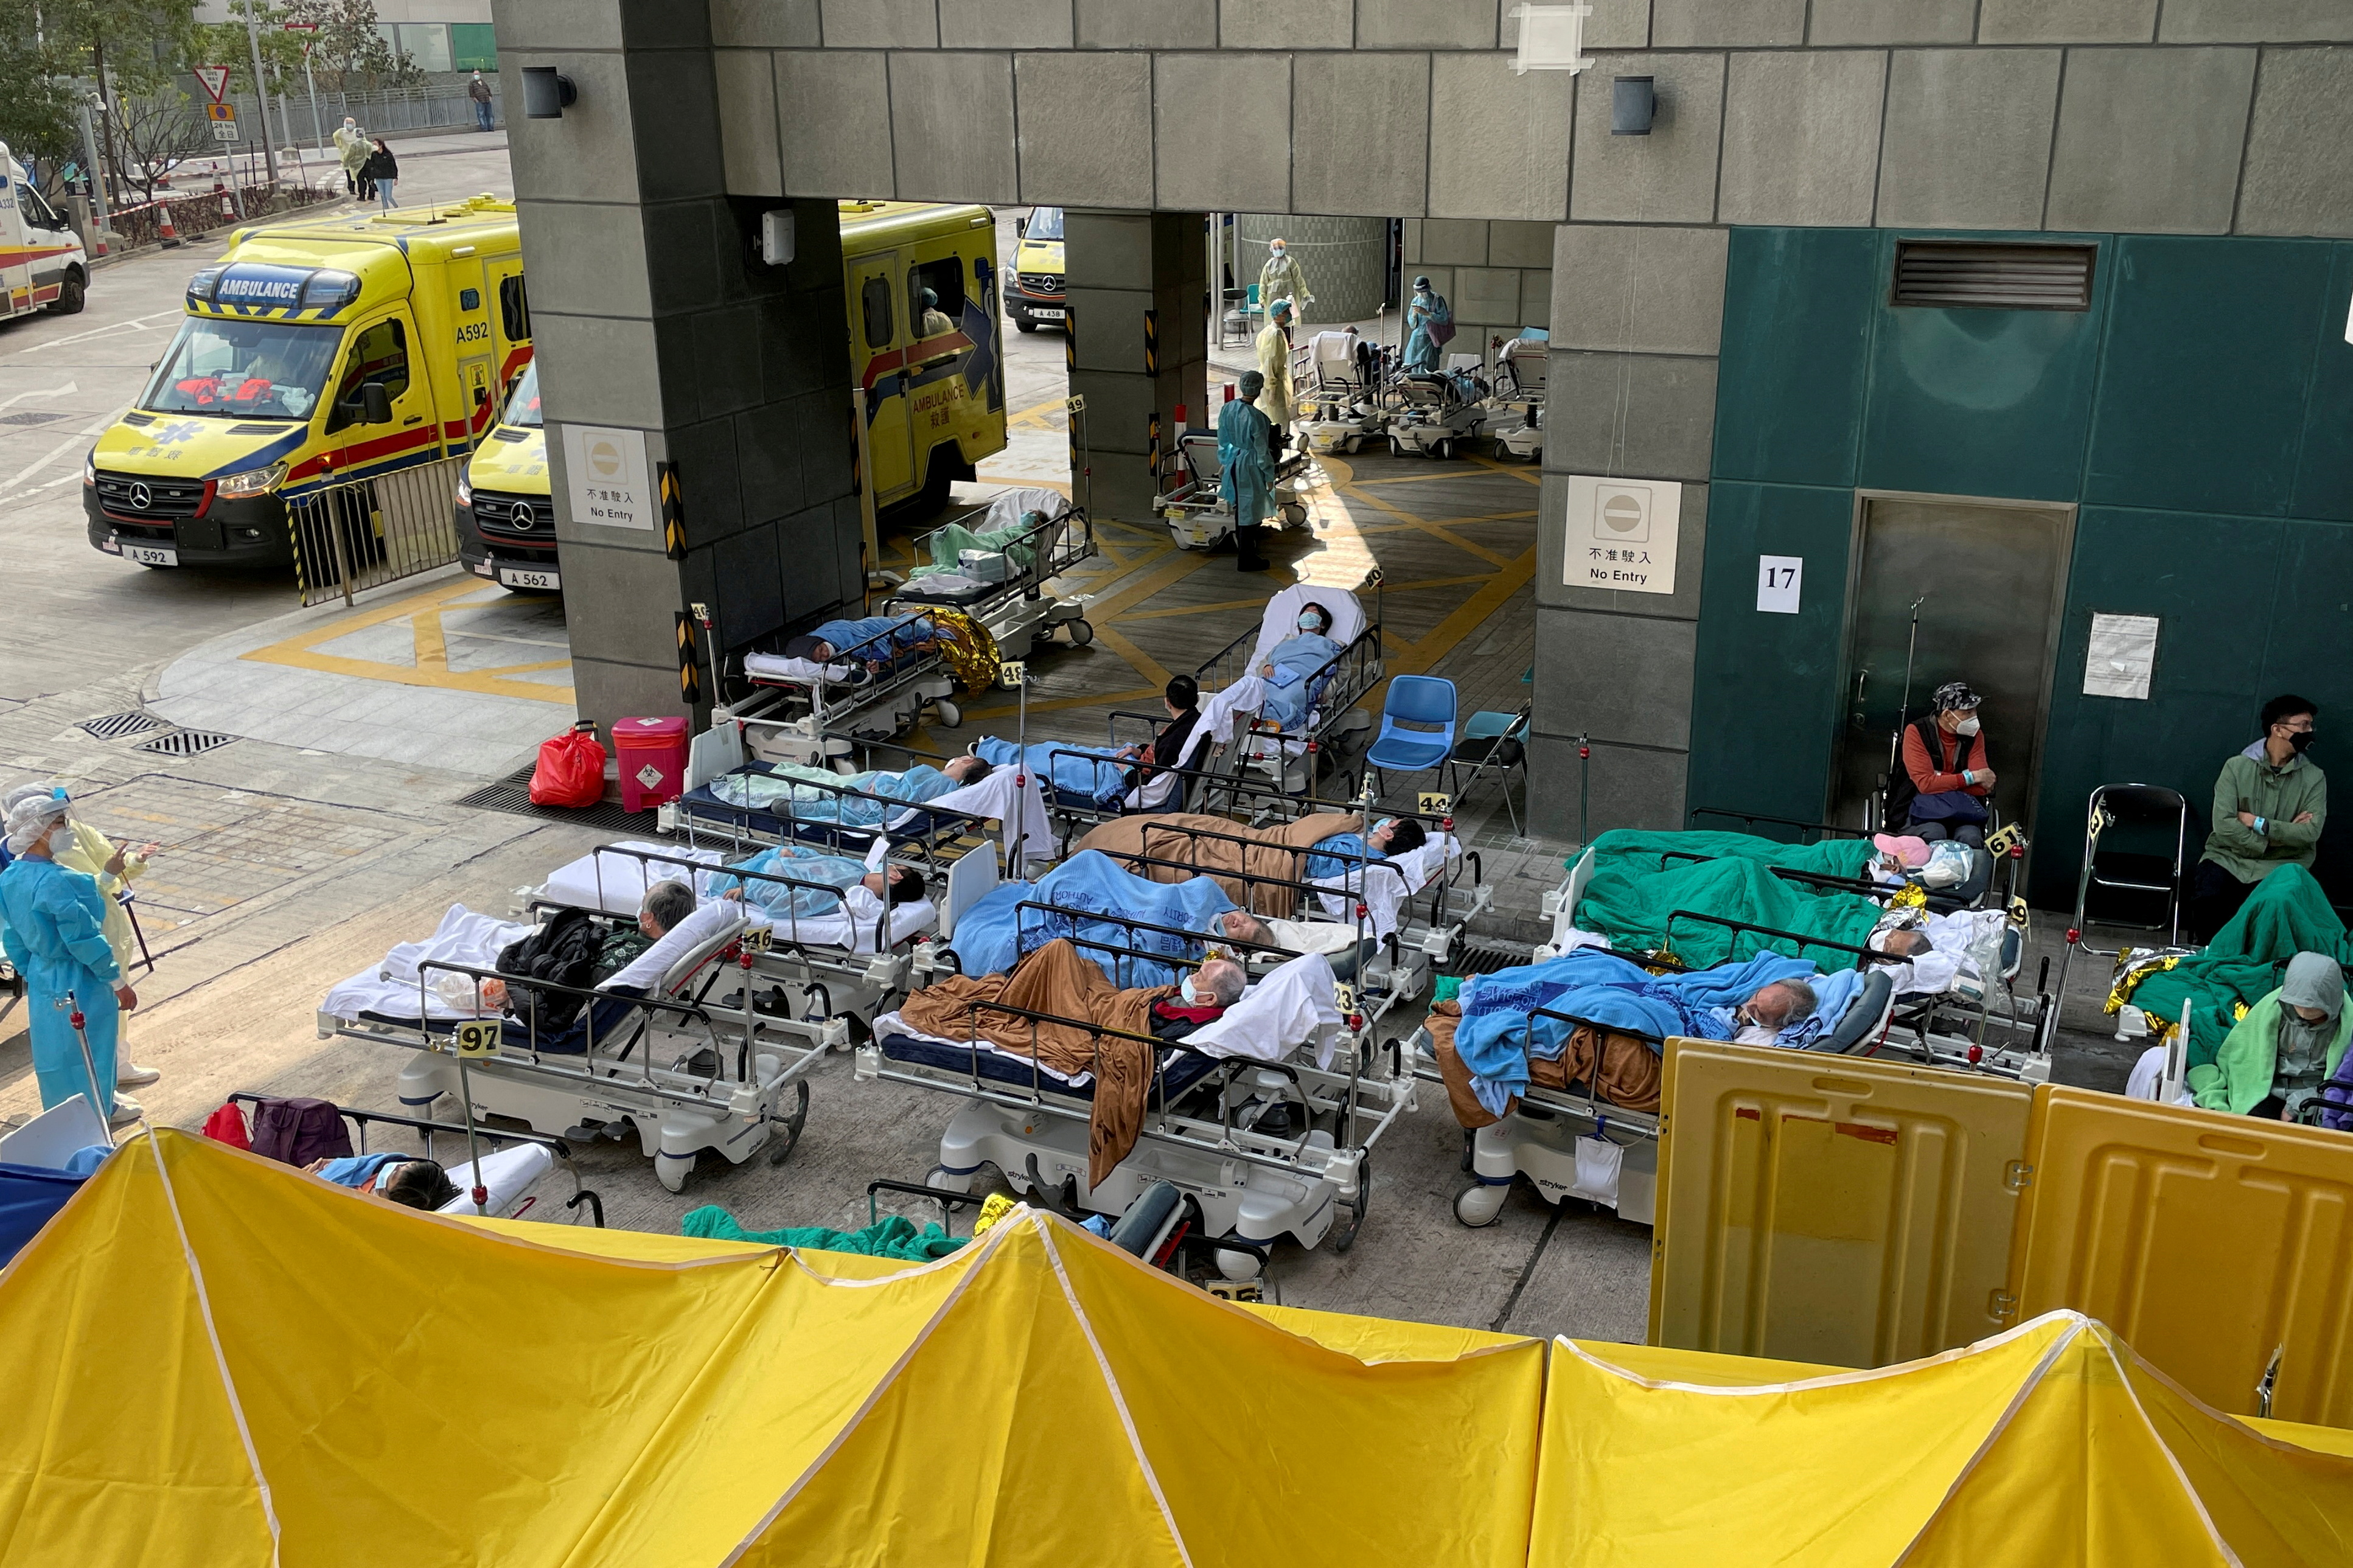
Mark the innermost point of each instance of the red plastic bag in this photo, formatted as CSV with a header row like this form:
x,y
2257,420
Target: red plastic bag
x,y
227,1125
571,770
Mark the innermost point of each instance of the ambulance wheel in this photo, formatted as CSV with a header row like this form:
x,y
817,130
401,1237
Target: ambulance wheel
x,y
1022,326
1479,1206
1343,1236
672,1171
1294,515
1081,634
71,292
948,713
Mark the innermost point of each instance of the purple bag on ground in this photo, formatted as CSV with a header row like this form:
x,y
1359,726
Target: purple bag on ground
x,y
298,1131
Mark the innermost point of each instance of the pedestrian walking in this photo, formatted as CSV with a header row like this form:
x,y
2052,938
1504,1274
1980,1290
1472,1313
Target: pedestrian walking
x,y
382,170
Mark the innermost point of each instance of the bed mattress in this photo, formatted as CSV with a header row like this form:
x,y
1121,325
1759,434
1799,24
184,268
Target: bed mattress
x,y
1180,1070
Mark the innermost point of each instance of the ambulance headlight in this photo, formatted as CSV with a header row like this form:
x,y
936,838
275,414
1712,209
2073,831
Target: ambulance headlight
x,y
465,491
252,482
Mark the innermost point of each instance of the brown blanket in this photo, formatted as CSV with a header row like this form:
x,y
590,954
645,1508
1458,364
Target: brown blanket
x,y
1058,979
1279,852
1629,1076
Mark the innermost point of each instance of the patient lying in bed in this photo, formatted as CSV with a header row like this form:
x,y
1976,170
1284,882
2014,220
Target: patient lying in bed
x,y
814,794
1058,980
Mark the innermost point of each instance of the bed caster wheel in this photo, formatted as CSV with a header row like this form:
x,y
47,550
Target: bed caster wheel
x,y
1081,634
1237,1265
1356,445
1344,1234
1397,448
672,1171
1479,1204
947,1181
948,713
788,1136
1444,450
1294,515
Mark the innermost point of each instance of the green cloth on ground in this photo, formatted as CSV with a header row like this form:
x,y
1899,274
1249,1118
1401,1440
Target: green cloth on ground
x,y
949,543
1634,851
1629,904
893,1236
2284,915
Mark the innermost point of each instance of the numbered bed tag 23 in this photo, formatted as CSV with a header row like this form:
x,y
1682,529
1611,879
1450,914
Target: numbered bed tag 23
x,y
1344,997
476,1036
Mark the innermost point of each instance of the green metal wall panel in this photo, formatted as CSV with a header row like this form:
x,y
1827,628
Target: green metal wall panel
x,y
2210,352
2324,474
1766,687
1980,403
1798,306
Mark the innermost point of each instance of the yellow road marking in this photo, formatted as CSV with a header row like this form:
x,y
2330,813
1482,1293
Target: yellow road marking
x,y
300,651
1146,664
1526,476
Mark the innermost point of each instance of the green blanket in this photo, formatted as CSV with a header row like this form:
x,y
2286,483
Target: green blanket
x,y
1632,892
949,543
2287,915
892,1237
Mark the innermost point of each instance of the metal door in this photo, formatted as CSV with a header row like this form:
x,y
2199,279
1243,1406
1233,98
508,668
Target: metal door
x,y
879,338
1990,577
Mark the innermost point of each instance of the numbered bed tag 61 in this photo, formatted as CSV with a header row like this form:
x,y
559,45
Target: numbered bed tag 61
x,y
476,1036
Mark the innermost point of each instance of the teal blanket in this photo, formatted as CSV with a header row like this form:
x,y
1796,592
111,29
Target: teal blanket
x,y
892,1237
2287,915
1634,890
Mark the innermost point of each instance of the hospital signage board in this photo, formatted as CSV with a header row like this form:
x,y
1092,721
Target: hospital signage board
x,y
1622,535
605,474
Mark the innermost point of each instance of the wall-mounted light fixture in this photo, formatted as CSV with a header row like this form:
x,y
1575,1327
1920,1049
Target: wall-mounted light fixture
x,y
546,93
1552,39
1632,103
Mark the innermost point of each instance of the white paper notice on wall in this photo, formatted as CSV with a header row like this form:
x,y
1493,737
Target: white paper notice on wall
x,y
1780,580
604,473
1622,534
2122,655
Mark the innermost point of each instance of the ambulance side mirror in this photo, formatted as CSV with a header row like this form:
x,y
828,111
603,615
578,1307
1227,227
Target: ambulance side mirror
x,y
375,404
1021,228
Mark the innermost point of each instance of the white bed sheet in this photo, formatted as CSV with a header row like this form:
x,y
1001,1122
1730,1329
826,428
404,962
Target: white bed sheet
x,y
616,883
1386,892
777,667
508,1172
390,988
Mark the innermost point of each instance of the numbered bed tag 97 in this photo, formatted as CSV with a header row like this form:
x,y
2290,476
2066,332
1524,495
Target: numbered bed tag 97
x,y
476,1036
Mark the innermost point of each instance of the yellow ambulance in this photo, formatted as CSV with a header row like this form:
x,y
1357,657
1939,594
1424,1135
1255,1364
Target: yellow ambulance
x,y
926,355
315,351
1035,294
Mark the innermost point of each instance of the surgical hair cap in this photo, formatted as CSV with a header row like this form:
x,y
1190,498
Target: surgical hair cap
x,y
23,792
932,299
1254,383
30,819
1422,282
1953,694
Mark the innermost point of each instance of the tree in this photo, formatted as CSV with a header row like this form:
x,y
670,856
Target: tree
x,y
126,50
348,51
36,104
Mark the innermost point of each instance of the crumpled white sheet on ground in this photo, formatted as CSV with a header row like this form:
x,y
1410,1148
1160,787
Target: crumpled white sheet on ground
x,y
777,667
1294,1006
1022,809
390,988
2148,1078
1385,891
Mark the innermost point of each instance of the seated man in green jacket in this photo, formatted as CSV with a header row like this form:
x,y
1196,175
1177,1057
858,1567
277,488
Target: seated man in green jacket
x,y
2271,802
2279,1055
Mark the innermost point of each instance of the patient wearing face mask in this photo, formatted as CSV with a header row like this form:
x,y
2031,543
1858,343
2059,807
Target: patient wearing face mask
x,y
1947,781
1204,997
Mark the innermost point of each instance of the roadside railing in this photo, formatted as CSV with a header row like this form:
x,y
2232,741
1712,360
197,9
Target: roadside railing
x,y
361,533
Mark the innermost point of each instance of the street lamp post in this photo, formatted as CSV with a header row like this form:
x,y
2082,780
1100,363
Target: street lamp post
x,y
261,92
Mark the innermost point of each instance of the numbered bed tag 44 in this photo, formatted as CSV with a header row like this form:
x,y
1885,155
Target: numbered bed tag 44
x,y
1433,804
476,1036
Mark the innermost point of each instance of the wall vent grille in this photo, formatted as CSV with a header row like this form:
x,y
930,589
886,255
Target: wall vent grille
x,y
1972,275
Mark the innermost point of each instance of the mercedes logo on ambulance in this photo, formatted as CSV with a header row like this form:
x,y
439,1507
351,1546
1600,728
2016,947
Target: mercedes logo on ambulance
x,y
141,498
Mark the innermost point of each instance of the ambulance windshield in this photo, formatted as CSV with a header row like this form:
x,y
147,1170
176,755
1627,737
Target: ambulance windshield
x,y
243,369
522,403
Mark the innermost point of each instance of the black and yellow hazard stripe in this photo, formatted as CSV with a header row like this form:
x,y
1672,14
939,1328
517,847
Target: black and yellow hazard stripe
x,y
673,511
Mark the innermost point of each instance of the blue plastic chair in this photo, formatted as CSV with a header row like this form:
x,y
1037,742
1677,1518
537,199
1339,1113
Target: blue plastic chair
x,y
1423,700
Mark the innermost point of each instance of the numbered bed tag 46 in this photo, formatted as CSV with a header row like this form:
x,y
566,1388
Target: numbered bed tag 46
x,y
756,938
476,1036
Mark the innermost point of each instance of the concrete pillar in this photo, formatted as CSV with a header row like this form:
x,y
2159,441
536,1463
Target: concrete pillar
x,y
1137,285
653,318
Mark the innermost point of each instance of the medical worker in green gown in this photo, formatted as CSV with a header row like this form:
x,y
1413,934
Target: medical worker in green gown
x,y
1248,458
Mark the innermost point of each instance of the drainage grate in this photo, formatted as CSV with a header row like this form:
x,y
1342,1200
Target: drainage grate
x,y
123,726
30,418
1485,958
512,794
184,742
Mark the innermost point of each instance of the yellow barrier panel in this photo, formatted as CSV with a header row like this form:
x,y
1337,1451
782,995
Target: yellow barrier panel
x,y
2207,1240
1831,1209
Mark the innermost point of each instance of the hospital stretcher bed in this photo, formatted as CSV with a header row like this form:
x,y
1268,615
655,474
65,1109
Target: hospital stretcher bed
x,y
1210,1127
809,701
513,1165
1005,596
1192,480
1247,737
1116,789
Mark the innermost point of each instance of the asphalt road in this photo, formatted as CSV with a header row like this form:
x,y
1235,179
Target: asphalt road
x,y
76,615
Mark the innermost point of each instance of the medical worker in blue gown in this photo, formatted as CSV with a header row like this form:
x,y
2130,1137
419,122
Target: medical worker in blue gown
x,y
1246,454
53,925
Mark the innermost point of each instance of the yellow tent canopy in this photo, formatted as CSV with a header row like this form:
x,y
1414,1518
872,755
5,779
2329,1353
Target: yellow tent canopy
x,y
209,1360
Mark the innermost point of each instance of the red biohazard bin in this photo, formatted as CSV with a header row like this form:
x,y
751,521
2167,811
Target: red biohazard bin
x,y
652,757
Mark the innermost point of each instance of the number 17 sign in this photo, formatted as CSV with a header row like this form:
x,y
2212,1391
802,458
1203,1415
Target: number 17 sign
x,y
1779,579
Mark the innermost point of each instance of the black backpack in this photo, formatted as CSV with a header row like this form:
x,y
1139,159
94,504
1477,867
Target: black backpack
x,y
564,952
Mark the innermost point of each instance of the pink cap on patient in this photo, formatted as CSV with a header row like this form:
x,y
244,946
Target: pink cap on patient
x,y
1905,850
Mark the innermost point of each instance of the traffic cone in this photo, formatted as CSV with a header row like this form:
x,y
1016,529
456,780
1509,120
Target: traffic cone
x,y
228,211
164,231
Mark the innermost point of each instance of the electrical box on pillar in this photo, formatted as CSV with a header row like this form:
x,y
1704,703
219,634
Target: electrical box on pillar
x,y
777,237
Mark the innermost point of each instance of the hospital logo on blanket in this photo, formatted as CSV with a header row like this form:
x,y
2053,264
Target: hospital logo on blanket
x,y
650,776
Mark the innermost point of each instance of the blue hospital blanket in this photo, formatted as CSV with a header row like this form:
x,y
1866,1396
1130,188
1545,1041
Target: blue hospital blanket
x,y
846,635
797,793
1074,778
1496,1037
802,865
993,935
1290,689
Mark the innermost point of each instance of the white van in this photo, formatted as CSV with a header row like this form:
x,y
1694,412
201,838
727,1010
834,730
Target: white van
x,y
42,267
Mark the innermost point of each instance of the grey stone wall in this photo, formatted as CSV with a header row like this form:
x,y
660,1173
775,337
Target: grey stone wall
x,y
1124,269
